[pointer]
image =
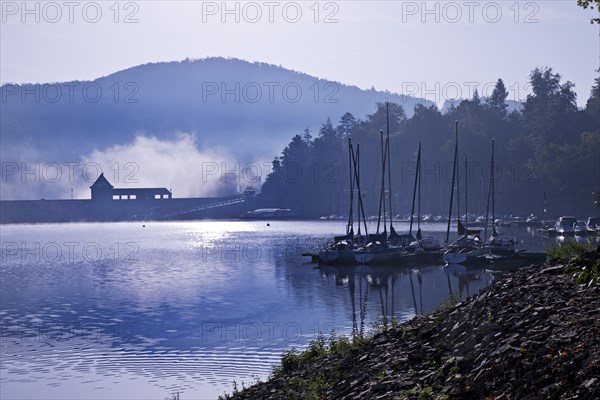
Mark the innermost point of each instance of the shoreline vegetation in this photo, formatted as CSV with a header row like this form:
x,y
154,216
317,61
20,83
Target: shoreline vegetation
x,y
531,334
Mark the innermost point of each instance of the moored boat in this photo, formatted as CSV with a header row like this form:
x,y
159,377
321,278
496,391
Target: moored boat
x,y
593,225
342,248
580,229
565,225
377,252
463,250
468,244
380,248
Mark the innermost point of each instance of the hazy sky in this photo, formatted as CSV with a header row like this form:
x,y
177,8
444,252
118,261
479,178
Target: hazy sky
x,y
435,50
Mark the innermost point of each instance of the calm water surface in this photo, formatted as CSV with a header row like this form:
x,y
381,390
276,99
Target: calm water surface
x,y
106,311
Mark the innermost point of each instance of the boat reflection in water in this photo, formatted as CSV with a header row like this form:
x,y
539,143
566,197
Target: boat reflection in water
x,y
388,294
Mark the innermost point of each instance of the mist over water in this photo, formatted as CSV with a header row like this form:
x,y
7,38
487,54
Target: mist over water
x,y
180,163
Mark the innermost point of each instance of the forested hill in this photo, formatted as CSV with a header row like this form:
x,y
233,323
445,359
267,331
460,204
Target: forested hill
x,y
251,108
547,155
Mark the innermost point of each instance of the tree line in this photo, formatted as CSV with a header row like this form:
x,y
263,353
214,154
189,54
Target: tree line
x,y
547,155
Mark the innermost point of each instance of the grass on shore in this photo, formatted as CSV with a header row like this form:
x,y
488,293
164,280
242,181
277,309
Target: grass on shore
x,y
570,252
294,360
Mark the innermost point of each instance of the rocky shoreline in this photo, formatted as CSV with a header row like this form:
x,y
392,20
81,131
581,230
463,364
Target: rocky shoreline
x,y
533,334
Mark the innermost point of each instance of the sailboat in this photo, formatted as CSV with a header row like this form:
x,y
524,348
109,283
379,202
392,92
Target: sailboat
x,y
342,248
464,229
467,246
498,250
380,248
498,246
421,243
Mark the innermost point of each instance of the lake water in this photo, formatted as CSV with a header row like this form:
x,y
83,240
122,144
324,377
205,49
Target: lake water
x,y
118,310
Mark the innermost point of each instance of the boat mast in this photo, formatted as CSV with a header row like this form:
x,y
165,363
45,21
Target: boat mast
x,y
491,195
487,209
493,180
385,151
419,203
356,162
382,191
466,196
349,227
417,179
389,161
453,179
457,166
357,180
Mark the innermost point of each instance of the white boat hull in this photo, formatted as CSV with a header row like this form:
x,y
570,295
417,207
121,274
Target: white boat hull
x,y
454,258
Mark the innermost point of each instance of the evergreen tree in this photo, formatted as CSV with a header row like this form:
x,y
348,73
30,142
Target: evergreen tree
x,y
272,185
593,104
476,99
327,129
378,120
306,136
347,124
497,101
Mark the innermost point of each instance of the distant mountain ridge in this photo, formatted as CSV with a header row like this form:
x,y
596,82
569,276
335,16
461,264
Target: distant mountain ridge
x,y
224,102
